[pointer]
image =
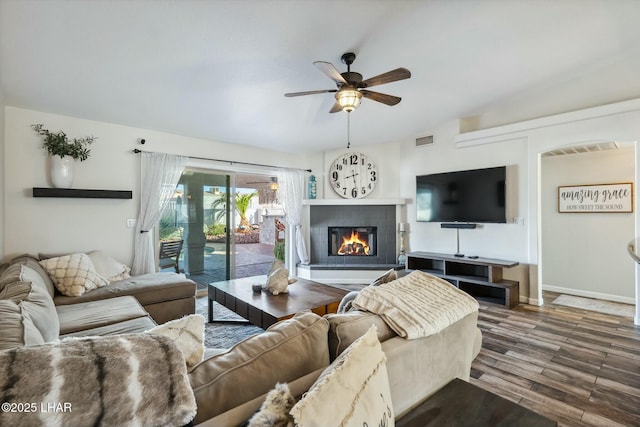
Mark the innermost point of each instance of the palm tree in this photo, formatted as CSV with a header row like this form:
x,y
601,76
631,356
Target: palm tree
x,y
242,204
243,200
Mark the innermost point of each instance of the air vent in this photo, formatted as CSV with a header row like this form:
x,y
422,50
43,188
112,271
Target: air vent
x,y
425,140
582,149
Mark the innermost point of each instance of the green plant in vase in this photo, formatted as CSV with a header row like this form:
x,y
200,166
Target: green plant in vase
x,y
58,144
62,153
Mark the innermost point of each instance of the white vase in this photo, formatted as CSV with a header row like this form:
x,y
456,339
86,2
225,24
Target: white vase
x,y
61,171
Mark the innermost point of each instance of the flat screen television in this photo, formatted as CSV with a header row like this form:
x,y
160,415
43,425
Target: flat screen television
x,y
472,196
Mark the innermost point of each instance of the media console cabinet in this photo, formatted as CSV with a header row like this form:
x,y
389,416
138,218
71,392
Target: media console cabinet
x,y
479,277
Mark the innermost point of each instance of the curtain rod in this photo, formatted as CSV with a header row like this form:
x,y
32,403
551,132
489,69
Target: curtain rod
x,y
231,162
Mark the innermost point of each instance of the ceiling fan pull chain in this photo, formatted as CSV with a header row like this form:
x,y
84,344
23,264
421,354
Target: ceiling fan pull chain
x,y
348,130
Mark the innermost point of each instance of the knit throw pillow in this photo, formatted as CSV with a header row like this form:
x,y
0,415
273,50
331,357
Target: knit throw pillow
x,y
352,392
74,274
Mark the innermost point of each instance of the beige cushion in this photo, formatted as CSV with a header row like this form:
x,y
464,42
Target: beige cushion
x,y
15,330
27,307
188,334
353,391
108,267
148,288
73,274
287,350
131,326
34,264
345,328
94,314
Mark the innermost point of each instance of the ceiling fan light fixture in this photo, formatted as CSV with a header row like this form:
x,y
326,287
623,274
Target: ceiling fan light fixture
x,y
349,99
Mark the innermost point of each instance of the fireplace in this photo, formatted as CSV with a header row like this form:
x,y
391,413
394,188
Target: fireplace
x,y
381,218
352,241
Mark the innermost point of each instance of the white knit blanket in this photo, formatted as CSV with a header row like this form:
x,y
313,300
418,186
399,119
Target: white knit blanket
x,y
417,305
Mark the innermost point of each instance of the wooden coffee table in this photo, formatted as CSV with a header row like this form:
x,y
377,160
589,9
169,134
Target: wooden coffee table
x,y
263,309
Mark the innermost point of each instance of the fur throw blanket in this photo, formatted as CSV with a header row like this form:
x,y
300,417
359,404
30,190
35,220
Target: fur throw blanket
x,y
417,305
125,380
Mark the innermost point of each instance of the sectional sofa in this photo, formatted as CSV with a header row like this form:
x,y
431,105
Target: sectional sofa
x,y
229,385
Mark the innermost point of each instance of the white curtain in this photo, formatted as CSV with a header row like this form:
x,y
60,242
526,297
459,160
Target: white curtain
x,y
160,175
294,190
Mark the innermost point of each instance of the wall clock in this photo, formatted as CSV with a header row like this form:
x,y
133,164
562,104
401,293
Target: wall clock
x,y
353,175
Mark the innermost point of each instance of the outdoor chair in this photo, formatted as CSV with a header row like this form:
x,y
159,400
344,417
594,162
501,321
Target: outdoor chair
x,y
170,254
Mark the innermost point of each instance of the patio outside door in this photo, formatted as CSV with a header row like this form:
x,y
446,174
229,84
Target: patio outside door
x,y
221,243
198,216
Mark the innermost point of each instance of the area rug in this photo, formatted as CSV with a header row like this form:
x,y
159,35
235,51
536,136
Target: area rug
x,y
223,335
607,307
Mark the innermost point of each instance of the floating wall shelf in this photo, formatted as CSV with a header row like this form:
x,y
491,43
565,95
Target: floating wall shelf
x,y
81,194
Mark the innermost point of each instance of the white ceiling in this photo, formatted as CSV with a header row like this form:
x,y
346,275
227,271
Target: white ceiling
x,y
218,69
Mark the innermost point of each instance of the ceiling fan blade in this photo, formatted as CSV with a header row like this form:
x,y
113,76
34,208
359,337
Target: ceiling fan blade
x,y
330,71
381,97
336,108
388,77
310,92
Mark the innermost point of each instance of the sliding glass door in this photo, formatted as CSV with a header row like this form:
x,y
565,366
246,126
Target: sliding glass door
x,y
199,218
231,225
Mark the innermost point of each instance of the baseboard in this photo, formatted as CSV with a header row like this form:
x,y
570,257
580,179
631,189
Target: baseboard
x,y
588,294
531,301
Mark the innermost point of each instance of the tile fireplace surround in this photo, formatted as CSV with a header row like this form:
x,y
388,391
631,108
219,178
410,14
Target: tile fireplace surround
x,y
382,214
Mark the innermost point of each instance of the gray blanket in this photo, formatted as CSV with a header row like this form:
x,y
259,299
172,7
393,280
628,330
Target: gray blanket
x,y
125,380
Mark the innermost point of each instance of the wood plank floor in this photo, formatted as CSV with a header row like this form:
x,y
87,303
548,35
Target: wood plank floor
x,y
578,367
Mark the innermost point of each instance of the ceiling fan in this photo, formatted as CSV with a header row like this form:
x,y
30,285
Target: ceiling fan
x,y
351,87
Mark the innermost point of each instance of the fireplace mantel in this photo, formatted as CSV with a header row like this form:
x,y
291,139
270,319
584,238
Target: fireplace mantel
x,y
352,202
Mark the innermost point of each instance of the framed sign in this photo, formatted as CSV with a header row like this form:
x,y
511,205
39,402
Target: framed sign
x,y
596,198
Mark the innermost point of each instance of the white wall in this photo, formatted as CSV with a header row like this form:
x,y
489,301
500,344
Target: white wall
x,y
2,157
62,225
568,239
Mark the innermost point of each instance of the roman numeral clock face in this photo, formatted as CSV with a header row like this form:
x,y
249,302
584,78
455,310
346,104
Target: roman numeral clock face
x,y
353,175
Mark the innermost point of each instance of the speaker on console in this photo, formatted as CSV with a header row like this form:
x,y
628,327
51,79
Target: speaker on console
x,y
457,225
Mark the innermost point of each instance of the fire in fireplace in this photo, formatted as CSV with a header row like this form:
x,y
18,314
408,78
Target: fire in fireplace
x,y
352,241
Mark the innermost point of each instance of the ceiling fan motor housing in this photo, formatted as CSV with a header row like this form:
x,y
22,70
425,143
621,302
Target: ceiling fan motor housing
x,y
352,78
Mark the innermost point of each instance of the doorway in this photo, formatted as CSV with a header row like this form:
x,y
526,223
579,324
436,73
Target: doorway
x,y
584,254
221,243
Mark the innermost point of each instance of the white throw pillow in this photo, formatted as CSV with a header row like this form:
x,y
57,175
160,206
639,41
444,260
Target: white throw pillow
x,y
352,392
188,334
108,267
74,274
